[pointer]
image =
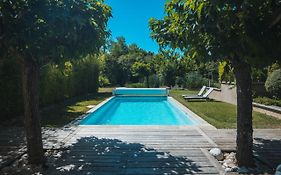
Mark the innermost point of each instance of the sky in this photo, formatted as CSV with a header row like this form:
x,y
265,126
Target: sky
x,y
130,20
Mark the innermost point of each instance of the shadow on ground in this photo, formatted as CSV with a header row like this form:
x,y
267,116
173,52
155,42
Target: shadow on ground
x,y
60,114
91,155
270,150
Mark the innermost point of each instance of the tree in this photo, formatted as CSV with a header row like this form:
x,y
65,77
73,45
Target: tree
x,y
37,32
243,32
142,69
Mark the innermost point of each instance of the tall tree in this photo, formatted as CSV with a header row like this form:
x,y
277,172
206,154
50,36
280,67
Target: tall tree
x,y
245,33
40,31
142,69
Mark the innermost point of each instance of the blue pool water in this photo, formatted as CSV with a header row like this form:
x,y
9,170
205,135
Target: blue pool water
x,y
138,111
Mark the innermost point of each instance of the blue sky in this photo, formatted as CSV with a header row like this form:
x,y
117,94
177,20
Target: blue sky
x,y
130,19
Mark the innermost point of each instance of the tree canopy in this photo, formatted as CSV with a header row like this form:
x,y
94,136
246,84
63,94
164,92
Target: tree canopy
x,y
246,33
37,32
50,30
221,29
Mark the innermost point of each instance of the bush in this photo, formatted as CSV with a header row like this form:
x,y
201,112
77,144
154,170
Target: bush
x,y
56,83
86,75
267,101
103,81
135,85
194,80
154,81
273,83
52,84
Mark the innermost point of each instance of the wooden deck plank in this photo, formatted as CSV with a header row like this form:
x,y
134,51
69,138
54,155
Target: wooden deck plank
x,y
142,149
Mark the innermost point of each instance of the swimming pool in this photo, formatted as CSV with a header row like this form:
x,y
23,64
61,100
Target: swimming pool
x,y
138,110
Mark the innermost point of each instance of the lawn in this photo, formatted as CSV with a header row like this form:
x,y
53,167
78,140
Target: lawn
x,y
220,114
60,114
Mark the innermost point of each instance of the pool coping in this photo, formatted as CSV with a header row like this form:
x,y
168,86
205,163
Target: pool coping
x,y
194,117
201,121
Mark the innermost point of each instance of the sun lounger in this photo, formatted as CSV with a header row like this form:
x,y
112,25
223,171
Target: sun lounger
x,y
200,93
205,96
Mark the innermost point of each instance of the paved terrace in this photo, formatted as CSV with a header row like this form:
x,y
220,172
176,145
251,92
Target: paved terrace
x,y
138,149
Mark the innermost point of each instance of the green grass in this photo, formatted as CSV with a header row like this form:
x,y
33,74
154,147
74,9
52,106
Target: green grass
x,y
220,114
62,113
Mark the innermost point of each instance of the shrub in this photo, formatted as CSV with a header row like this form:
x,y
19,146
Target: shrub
x,y
103,81
154,81
52,82
135,85
194,80
273,83
267,101
86,75
180,81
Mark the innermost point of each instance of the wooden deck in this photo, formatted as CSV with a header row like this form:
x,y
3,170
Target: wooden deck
x,y
267,143
139,149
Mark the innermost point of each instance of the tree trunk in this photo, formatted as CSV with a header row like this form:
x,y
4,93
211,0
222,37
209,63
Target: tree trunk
x,y
244,138
30,73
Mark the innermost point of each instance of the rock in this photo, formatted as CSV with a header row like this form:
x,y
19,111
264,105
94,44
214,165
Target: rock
x,y
227,161
228,170
217,153
225,165
278,170
231,165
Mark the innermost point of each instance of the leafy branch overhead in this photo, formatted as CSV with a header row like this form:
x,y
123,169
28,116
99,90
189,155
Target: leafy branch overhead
x,y
51,30
214,29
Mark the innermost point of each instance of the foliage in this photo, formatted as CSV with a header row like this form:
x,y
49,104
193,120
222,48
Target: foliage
x,y
258,74
273,67
225,71
117,63
103,81
221,69
154,81
273,83
235,31
57,83
86,75
141,69
126,63
168,73
52,30
135,85
268,101
194,80
62,113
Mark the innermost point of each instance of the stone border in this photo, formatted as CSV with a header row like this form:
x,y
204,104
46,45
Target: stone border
x,y
193,116
201,121
267,107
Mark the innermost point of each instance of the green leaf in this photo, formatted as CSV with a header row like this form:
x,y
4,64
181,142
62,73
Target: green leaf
x,y
199,9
